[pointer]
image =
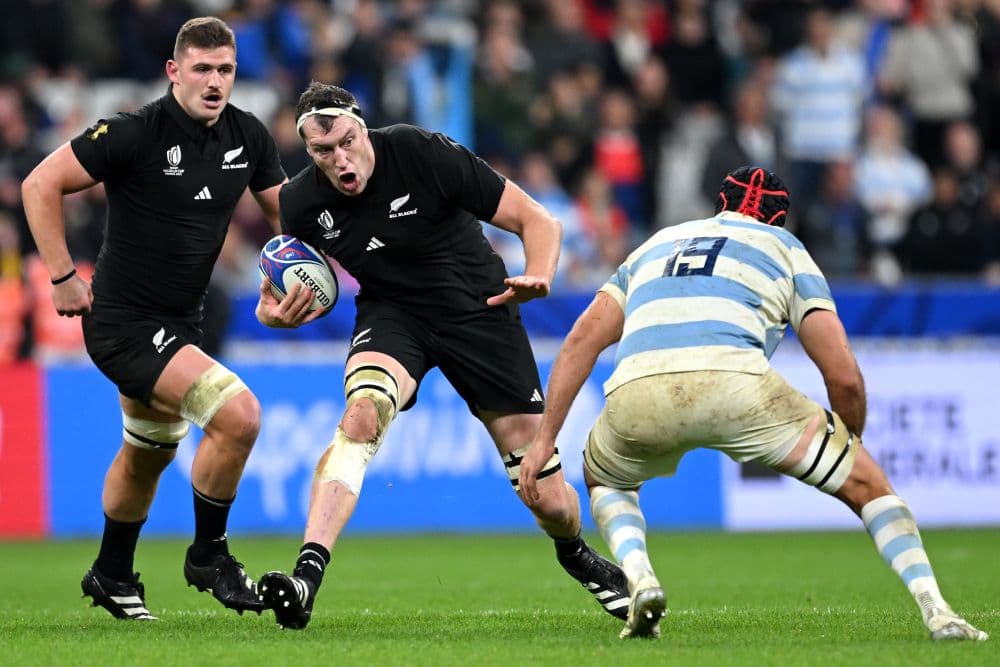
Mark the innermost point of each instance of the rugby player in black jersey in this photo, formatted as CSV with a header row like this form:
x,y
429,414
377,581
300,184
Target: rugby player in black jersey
x,y
173,171
399,208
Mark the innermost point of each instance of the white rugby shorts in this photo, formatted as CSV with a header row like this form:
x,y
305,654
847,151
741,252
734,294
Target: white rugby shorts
x,y
648,424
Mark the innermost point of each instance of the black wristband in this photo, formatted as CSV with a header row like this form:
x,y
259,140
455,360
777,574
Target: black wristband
x,y
69,275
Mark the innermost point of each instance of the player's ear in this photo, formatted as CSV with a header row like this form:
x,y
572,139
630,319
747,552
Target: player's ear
x,y
173,69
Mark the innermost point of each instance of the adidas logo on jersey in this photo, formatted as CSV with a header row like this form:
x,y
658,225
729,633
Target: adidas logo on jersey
x,y
536,397
203,194
374,244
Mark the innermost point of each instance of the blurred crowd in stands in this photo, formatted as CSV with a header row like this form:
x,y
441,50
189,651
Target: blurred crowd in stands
x,y
620,116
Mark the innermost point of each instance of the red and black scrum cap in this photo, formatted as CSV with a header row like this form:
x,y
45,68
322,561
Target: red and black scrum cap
x,y
755,192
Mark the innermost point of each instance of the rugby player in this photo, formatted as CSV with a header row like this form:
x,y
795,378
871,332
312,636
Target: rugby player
x,y
173,172
697,311
399,208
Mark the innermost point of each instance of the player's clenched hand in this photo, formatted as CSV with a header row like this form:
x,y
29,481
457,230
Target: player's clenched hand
x,y
72,297
534,460
290,312
521,289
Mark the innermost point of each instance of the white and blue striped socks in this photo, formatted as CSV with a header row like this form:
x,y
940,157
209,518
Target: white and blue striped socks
x,y
890,523
623,527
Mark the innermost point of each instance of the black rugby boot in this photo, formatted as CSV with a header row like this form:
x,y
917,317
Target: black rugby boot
x,y
123,599
291,598
225,579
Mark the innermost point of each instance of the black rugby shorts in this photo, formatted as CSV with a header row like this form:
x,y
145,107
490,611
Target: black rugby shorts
x,y
133,354
487,358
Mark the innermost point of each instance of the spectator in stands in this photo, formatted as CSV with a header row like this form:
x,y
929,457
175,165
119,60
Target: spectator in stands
x,y
13,296
146,30
963,154
835,226
931,65
749,139
293,156
618,155
562,42
655,111
943,237
362,57
990,230
639,27
697,70
18,156
891,183
819,90
604,222
504,88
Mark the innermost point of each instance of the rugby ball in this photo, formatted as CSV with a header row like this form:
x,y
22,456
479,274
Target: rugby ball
x,y
286,260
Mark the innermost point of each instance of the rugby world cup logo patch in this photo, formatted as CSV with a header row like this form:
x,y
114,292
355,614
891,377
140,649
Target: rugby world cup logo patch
x,y
325,221
173,159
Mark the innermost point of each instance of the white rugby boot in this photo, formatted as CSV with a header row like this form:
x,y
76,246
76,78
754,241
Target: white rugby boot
x,y
945,624
647,607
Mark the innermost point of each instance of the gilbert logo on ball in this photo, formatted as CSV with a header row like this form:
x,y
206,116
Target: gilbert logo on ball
x,y
286,260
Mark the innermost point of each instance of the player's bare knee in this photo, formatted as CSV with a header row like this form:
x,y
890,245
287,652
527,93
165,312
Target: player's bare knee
x,y
360,420
240,420
554,504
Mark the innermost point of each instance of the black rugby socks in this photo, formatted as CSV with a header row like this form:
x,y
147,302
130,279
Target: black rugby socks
x,y
210,518
311,564
568,550
117,554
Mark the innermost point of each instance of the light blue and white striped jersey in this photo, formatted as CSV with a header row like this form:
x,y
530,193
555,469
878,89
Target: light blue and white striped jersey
x,y
820,98
714,294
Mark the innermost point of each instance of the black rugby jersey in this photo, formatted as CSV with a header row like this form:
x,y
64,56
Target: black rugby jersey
x,y
172,185
413,236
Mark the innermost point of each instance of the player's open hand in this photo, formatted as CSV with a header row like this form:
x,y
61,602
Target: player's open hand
x,y
521,289
290,312
72,297
534,460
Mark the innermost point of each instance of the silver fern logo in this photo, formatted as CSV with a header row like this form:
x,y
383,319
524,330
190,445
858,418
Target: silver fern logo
x,y
397,204
229,156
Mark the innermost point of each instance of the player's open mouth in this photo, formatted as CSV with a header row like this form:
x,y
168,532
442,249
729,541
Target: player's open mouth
x,y
348,179
212,100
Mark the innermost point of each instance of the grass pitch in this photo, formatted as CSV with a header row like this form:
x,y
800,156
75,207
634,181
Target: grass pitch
x,y
743,599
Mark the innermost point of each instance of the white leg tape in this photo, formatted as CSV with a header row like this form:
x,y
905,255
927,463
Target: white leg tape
x,y
209,393
512,462
345,461
830,457
147,434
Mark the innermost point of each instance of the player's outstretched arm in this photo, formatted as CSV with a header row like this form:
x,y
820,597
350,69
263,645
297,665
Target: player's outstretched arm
x,y
540,233
823,338
42,193
289,313
598,327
